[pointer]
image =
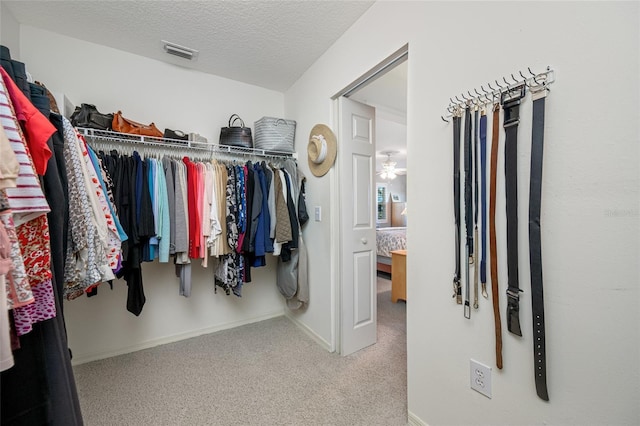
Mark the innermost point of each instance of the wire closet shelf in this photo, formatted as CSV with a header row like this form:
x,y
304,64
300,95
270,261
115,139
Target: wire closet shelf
x,y
108,140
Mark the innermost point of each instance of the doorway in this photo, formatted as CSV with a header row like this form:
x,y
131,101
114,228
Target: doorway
x,y
384,89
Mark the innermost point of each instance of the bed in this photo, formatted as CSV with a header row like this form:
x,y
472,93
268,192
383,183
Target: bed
x,y
388,240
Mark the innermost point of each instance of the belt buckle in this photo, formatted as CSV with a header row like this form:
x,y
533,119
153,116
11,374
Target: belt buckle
x,y
513,94
456,287
513,309
513,296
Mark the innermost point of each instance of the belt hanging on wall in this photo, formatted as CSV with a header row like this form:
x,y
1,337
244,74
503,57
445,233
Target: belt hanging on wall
x,y
468,167
510,97
511,106
475,207
493,256
457,288
539,94
483,201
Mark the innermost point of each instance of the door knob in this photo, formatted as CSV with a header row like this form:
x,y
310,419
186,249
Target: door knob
x,y
364,241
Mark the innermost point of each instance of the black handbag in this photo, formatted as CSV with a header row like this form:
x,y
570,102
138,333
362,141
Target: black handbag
x,y
236,135
175,135
87,115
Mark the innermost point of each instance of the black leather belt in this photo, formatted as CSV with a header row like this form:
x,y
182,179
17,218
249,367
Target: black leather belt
x,y
457,288
468,169
535,251
511,105
475,209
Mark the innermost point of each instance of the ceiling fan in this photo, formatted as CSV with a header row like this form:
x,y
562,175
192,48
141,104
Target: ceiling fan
x,y
389,170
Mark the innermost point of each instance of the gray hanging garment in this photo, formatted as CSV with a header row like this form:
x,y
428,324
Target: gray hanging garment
x,y
301,298
287,277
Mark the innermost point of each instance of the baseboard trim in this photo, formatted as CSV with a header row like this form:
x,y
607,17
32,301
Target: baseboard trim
x,y
415,420
77,360
309,332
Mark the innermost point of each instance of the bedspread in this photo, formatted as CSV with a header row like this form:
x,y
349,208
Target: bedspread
x,y
389,239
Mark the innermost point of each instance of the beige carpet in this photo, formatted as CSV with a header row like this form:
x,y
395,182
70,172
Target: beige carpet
x,y
266,373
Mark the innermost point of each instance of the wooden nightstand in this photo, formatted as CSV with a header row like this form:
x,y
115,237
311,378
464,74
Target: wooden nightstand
x,y
398,275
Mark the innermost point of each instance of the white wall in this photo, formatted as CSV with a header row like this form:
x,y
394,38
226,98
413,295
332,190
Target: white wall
x,y
308,101
590,214
397,186
9,31
147,90
392,129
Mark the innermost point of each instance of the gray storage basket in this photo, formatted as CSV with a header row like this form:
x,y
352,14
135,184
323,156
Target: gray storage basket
x,y
274,134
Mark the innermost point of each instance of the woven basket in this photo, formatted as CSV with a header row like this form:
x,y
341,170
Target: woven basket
x,y
274,134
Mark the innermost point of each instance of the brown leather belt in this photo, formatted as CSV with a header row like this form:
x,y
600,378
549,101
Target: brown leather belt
x,y
492,234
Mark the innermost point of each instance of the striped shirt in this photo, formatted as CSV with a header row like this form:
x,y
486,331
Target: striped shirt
x,y
26,200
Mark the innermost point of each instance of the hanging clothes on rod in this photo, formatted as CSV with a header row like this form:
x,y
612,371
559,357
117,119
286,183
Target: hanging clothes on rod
x,y
93,249
219,210
37,381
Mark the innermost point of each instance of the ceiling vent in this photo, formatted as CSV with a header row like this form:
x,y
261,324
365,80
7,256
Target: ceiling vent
x,y
180,51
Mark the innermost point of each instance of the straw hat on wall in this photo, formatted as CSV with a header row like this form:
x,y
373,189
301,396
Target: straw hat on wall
x,y
321,149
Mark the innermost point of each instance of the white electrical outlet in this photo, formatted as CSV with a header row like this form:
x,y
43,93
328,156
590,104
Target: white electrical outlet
x,y
318,212
480,378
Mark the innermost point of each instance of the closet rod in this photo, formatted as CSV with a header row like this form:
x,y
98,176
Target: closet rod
x,y
535,81
133,141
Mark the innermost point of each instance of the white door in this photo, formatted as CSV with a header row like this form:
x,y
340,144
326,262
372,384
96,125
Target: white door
x,y
356,154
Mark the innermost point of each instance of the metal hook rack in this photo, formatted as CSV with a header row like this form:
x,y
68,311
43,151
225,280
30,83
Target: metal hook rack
x,y
536,82
149,145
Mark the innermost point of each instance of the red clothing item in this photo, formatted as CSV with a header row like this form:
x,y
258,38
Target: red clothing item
x,y
195,218
36,126
34,243
202,170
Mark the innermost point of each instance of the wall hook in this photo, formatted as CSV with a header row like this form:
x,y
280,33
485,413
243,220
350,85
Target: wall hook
x,y
487,93
472,98
534,75
524,79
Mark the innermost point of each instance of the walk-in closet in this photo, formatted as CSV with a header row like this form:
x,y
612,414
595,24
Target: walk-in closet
x,y
153,275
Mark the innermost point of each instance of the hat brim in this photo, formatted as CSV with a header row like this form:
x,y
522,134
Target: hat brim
x,y
321,169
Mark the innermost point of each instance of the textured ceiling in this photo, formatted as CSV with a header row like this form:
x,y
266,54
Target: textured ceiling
x,y
266,43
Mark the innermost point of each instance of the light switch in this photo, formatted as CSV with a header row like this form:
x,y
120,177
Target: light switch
x,y
318,212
